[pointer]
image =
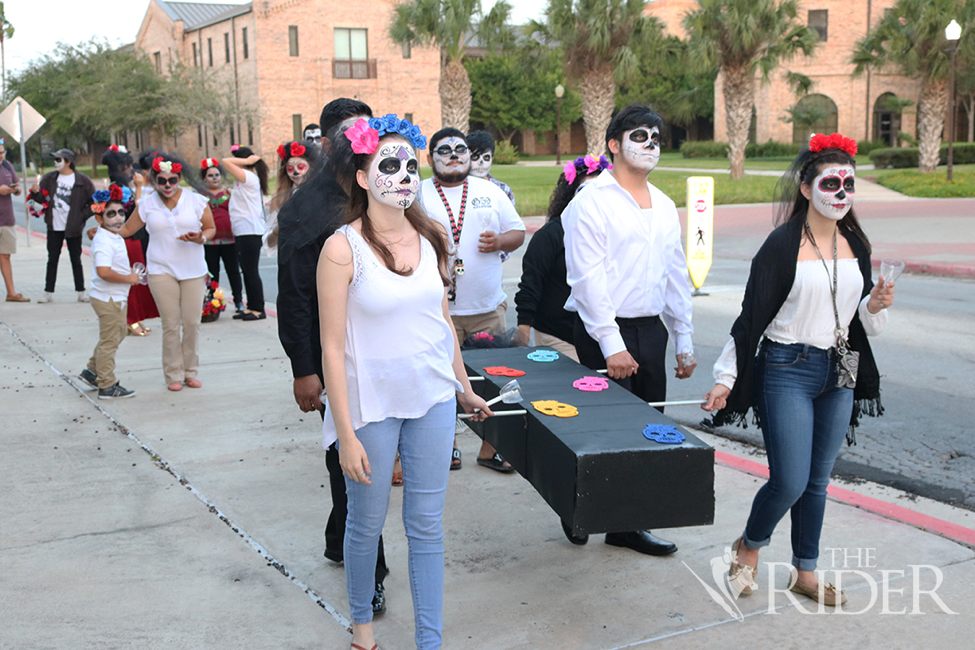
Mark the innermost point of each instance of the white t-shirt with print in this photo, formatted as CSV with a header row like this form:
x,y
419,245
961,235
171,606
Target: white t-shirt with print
x,y
479,289
62,201
108,249
246,206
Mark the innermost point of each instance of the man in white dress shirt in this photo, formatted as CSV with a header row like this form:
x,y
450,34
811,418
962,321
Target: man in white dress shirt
x,y
627,272
480,221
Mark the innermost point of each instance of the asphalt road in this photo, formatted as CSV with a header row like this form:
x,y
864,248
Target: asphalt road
x,y
922,444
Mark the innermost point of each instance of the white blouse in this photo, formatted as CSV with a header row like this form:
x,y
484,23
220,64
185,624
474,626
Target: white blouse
x,y
167,254
806,316
246,206
399,349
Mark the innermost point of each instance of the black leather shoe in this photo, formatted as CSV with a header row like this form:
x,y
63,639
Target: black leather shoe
x,y
379,600
578,540
333,555
641,541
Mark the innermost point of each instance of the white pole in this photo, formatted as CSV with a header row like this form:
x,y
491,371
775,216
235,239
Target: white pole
x,y
23,163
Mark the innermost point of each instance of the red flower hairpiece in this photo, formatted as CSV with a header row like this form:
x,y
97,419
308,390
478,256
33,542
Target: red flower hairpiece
x,y
297,149
168,166
819,141
281,151
113,147
115,193
207,163
293,149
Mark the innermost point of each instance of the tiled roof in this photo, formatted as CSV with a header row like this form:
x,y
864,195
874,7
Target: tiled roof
x,y
199,14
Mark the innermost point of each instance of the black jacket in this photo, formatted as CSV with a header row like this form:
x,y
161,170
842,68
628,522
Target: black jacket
x,y
79,207
772,275
543,289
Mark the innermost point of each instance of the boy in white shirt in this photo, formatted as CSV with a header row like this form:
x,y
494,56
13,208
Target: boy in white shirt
x,y
111,278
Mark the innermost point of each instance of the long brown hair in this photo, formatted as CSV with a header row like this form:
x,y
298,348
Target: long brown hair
x,y
345,163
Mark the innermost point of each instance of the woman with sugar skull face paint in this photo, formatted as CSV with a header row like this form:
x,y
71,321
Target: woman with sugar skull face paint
x,y
297,161
810,304
382,278
222,246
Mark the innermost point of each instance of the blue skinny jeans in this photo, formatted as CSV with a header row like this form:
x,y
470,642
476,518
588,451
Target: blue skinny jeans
x,y
424,446
804,420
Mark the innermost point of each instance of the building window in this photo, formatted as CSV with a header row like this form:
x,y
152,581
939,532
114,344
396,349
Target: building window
x,y
250,134
232,140
293,40
199,135
819,20
408,117
226,47
157,61
407,50
195,56
215,143
352,55
210,50
243,38
296,127
813,114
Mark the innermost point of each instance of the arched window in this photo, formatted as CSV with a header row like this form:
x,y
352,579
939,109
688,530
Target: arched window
x,y
813,114
886,119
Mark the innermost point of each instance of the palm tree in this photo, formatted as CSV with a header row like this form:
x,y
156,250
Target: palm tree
x,y
451,25
911,38
6,31
599,38
741,38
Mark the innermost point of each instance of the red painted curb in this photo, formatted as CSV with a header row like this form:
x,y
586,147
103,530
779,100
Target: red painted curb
x,y
875,506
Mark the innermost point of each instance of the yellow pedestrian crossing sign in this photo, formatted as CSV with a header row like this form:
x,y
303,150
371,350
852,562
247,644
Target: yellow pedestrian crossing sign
x,y
700,227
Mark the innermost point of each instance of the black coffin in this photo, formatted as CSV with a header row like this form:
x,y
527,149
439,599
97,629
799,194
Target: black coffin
x,y
596,470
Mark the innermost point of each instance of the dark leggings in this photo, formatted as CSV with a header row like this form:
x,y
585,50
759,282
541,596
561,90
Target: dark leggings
x,y
228,253
249,256
55,239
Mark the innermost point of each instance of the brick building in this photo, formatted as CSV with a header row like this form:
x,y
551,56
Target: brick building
x,y
284,60
855,106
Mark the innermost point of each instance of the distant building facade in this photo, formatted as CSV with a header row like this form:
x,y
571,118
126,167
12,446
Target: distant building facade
x,y
858,107
287,59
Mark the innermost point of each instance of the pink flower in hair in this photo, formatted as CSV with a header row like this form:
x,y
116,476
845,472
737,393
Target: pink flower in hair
x,y
364,139
570,172
592,163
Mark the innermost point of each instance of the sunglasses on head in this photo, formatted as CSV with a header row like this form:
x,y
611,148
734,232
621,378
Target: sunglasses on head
x,y
113,213
167,181
445,150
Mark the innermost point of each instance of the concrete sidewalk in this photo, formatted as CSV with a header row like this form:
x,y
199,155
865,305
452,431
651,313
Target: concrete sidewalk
x,y
194,520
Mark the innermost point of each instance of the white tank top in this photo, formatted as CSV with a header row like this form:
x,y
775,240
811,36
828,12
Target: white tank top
x,y
399,350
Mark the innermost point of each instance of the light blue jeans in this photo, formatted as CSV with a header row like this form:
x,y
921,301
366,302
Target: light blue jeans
x,y
424,446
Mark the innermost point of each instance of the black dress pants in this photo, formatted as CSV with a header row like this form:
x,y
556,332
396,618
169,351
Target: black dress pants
x,y
249,256
646,341
55,239
335,527
228,253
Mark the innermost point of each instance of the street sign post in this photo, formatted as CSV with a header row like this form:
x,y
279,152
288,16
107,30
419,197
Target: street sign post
x,y
21,121
700,229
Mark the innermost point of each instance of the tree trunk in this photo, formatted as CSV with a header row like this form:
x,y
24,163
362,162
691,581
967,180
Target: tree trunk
x,y
3,66
455,96
598,93
739,97
930,123
91,152
969,104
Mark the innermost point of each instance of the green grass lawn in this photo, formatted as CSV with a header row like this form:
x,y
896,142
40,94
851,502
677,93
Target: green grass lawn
x,y
674,159
934,185
533,187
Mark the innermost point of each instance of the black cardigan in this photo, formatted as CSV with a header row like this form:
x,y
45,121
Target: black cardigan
x,y
543,289
772,275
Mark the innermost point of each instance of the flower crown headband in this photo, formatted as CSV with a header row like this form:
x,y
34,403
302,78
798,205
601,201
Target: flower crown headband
x,y
292,150
113,193
207,163
364,135
589,163
117,148
819,142
159,164
234,147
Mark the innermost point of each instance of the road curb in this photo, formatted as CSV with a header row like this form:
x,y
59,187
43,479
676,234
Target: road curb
x,y
934,269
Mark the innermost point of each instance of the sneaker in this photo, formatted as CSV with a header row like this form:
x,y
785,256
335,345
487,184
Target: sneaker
x,y
114,392
90,378
379,600
47,297
83,296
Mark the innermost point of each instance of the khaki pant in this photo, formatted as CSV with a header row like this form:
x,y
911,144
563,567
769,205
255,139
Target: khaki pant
x,y
566,348
180,303
112,329
491,322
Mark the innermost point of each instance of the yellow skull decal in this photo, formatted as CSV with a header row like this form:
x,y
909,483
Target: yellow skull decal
x,y
553,407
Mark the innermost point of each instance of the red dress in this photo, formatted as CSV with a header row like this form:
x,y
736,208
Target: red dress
x,y
141,305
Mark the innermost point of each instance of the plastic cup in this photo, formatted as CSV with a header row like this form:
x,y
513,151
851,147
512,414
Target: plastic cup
x,y
140,268
890,270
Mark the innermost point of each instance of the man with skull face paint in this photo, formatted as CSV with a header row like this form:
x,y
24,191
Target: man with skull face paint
x,y
477,301
313,133
627,272
481,144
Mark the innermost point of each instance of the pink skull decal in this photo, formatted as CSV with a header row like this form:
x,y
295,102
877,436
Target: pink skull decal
x,y
591,384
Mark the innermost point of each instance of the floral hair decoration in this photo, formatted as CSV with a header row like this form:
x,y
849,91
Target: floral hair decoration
x,y
207,163
589,164
117,148
168,166
37,203
292,150
364,135
114,193
234,147
819,141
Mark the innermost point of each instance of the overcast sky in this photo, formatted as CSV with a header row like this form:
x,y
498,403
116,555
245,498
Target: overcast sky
x,y
39,25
